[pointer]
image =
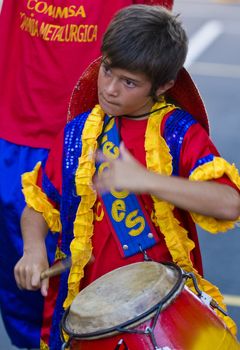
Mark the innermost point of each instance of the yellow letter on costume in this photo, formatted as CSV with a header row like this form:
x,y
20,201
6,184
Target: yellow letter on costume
x,y
118,210
132,220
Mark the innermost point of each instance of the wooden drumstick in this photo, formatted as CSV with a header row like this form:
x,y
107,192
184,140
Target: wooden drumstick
x,y
57,268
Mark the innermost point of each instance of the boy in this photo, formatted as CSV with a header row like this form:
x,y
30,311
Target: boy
x,y
165,156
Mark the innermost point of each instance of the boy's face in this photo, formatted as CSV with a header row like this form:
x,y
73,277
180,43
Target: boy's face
x,y
121,92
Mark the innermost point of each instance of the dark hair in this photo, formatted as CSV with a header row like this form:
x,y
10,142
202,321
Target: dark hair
x,y
146,39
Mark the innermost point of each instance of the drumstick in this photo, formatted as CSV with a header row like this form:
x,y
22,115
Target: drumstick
x,y
57,268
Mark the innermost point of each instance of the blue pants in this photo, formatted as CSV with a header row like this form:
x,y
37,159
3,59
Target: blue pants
x,y
21,310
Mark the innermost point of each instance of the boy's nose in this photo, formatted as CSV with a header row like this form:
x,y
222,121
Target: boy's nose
x,y
112,88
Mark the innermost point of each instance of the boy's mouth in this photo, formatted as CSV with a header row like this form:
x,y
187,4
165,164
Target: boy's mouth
x,y
107,101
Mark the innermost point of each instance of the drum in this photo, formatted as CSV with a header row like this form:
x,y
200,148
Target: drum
x,y
142,306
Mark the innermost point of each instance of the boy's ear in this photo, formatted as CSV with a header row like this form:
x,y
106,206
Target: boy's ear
x,y
163,88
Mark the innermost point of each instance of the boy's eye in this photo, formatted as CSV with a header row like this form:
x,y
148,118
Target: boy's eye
x,y
106,68
129,83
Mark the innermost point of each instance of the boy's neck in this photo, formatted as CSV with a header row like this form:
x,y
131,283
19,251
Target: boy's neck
x,y
137,117
144,115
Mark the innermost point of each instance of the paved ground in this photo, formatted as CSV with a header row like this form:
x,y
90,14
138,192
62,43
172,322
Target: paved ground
x,y
214,62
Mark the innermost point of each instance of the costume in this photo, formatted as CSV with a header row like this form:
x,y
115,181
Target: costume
x,y
45,45
183,148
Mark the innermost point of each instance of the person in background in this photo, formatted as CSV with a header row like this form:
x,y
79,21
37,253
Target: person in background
x,y
45,45
158,173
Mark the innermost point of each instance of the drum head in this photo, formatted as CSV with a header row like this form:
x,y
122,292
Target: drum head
x,y
122,295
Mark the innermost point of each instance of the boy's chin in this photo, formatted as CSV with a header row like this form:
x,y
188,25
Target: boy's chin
x,y
110,110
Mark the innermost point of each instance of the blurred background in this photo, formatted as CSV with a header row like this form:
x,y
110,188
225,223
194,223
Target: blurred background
x,y
213,27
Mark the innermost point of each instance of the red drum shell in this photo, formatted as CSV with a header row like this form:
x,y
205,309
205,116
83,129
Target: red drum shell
x,y
185,324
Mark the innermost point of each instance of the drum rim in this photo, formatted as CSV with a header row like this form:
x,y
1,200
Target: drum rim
x,y
176,289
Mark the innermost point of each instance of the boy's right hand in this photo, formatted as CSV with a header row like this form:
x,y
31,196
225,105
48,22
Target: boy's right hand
x,y
28,270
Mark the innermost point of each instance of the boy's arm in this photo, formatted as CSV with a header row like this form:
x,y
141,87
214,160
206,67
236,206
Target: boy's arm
x,y
207,198
34,260
39,215
203,197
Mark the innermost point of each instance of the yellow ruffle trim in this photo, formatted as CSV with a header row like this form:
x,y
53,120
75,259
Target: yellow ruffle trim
x,y
215,170
37,200
81,245
158,159
43,346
